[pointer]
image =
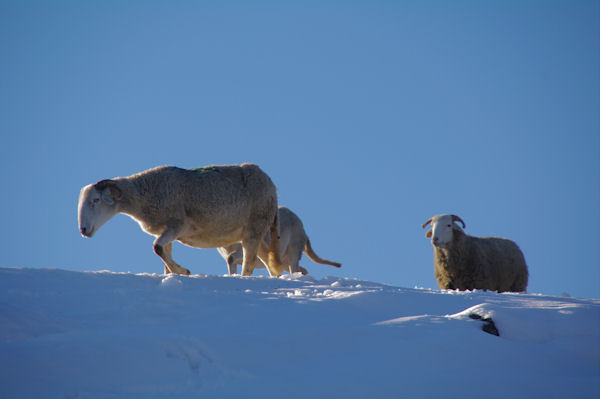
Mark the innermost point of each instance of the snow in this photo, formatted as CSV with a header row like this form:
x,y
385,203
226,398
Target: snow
x,y
66,334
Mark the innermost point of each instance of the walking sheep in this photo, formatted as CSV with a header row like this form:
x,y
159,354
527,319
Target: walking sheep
x,y
465,262
292,240
206,207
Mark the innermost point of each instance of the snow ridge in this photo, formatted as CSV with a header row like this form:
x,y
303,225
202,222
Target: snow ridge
x,y
67,334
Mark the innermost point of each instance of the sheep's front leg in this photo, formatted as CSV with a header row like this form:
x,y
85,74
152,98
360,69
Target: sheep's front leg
x,y
163,247
168,249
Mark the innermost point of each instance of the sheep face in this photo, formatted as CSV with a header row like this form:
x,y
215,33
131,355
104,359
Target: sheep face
x,y
96,206
442,230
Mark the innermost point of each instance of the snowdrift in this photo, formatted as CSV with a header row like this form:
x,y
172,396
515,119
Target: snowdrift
x,y
67,334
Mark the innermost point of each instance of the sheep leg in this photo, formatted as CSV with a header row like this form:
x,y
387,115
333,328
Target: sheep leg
x,y
231,265
250,248
295,263
263,254
169,251
295,268
163,247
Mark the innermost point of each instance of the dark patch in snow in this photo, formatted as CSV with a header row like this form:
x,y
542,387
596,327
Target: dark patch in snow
x,y
488,324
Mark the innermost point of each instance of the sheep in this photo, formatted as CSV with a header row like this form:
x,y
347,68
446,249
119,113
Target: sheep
x,y
206,207
293,241
465,262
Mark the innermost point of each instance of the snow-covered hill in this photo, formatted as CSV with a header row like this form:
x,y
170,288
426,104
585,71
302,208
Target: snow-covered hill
x,y
69,334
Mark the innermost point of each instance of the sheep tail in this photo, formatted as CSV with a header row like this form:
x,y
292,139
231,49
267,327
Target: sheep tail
x,y
316,258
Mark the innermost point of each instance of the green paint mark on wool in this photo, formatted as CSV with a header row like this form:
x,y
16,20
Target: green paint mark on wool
x,y
204,169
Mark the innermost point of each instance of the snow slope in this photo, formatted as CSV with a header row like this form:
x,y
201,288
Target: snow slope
x,y
69,334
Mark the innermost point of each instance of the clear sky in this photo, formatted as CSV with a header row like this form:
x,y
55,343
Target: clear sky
x,y
370,117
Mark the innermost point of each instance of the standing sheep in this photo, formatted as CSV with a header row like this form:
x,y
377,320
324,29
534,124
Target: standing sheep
x,y
206,207
465,262
292,240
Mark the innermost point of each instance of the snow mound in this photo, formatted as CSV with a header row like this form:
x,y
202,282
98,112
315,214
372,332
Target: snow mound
x,y
69,334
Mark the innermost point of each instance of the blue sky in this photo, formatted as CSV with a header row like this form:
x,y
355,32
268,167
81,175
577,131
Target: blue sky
x,y
369,116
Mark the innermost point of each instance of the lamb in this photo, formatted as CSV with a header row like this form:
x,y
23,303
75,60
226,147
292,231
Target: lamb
x,y
293,241
465,262
206,207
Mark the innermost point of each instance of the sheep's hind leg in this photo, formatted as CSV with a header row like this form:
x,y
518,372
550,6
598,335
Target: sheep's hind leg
x,y
250,248
263,254
163,247
294,259
295,267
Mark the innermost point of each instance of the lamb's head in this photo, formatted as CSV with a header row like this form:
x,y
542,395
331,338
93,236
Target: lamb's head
x,y
442,229
97,204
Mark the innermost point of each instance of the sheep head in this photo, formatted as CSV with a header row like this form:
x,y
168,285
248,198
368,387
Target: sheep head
x,y
98,203
442,229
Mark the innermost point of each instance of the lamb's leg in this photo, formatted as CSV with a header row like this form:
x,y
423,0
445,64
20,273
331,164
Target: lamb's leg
x,y
163,247
235,258
294,260
295,267
231,265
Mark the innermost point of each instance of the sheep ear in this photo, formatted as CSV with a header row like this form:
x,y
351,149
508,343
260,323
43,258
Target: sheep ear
x,y
110,191
110,194
428,235
107,196
456,227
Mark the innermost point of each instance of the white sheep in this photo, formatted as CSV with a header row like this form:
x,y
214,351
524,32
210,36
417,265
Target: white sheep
x,y
465,262
292,242
206,207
